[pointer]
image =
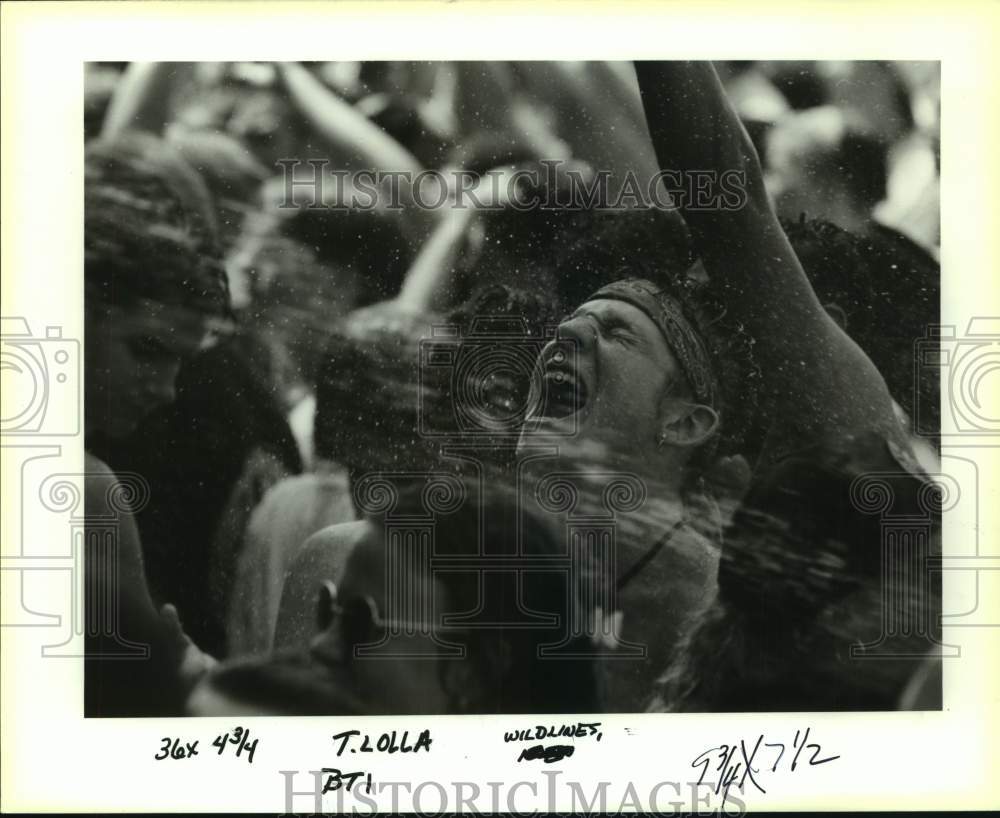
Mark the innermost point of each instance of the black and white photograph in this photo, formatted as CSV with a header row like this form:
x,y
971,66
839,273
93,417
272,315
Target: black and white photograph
x,y
512,387
459,407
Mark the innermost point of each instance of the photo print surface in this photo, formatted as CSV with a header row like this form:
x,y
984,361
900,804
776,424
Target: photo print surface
x,y
511,387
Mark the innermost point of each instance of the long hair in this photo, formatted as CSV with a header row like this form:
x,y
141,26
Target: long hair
x,y
150,228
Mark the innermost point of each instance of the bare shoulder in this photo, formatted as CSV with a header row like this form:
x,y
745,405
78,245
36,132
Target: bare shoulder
x,y
329,547
94,466
322,557
100,485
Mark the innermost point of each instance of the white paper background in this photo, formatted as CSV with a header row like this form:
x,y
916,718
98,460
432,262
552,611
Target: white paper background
x,y
54,760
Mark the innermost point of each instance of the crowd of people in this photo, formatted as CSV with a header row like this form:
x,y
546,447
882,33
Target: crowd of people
x,y
511,457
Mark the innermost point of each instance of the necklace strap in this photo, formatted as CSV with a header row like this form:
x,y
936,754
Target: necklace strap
x,y
636,568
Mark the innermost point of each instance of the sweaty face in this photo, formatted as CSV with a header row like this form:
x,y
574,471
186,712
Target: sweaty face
x,y
602,382
132,358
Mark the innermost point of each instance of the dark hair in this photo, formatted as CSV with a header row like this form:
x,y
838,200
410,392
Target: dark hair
x,y
569,253
886,289
231,172
369,243
367,392
228,167
150,230
861,160
804,541
643,245
293,296
371,389
513,248
604,247
510,675
500,300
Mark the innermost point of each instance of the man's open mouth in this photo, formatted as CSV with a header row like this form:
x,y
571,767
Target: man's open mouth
x,y
563,391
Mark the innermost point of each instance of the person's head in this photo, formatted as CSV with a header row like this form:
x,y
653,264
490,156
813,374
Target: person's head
x,y
551,245
368,395
232,175
399,635
642,382
152,278
596,247
495,669
634,380
415,625
287,296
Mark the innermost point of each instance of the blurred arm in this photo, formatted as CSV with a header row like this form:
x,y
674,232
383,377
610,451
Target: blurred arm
x,y
598,114
141,98
115,686
354,135
428,278
343,126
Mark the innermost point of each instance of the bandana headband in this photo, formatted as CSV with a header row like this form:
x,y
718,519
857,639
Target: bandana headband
x,y
684,341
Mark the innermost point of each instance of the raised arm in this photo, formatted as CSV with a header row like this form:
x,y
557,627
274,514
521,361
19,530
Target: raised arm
x,y
694,128
343,125
596,112
429,277
810,366
141,98
362,143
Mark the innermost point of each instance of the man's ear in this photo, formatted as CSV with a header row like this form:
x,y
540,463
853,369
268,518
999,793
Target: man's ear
x,y
684,423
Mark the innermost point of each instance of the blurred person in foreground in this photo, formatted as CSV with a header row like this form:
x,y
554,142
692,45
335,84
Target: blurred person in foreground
x,y
365,422
153,287
370,657
211,454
